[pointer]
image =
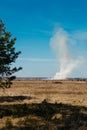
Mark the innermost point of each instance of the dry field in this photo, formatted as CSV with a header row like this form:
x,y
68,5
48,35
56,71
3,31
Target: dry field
x,y
54,91
44,104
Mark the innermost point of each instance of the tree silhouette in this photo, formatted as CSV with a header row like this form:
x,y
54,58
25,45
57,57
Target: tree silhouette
x,y
7,57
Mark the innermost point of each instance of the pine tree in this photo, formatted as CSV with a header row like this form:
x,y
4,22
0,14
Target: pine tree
x,y
7,57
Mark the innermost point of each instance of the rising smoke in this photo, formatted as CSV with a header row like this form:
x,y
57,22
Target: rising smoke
x,y
66,63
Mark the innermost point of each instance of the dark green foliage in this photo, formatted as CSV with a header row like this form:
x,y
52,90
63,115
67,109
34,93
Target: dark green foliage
x,y
7,57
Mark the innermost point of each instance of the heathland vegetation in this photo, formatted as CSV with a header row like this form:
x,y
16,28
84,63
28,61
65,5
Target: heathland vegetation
x,y
37,104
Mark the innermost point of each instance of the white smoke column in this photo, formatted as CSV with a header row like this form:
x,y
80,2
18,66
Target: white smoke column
x,y
59,43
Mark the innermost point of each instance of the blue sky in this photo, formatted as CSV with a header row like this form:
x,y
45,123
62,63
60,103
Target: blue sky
x,y
34,22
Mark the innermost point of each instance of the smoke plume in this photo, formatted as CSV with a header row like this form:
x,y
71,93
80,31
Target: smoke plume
x,y
66,63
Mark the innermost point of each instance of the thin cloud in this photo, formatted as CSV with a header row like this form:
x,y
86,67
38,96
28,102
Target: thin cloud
x,y
37,59
35,32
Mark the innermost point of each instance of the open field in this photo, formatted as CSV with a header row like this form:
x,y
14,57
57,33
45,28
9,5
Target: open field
x,y
35,91
44,105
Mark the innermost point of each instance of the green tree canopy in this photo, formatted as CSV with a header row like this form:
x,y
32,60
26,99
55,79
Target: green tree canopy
x,y
8,55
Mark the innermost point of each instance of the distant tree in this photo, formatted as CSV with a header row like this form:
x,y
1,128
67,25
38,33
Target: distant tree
x,y
7,57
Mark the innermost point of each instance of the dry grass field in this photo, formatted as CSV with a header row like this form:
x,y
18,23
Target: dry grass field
x,y
44,105
35,91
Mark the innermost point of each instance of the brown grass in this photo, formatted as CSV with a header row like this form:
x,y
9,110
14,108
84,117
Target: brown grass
x,y
35,91
69,92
